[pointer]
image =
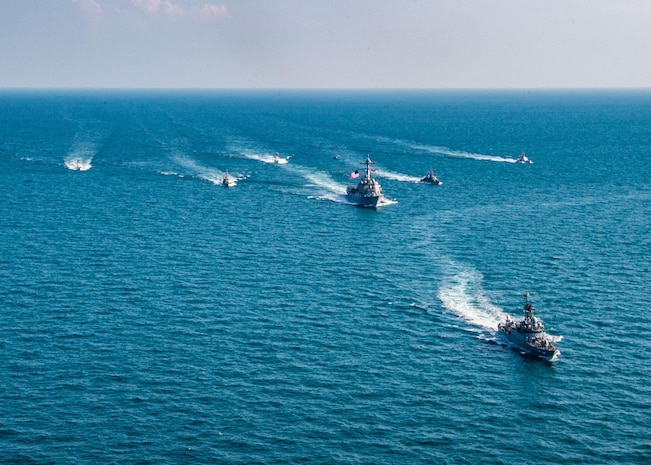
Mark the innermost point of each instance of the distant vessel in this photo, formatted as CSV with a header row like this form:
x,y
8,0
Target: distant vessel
x,y
77,164
228,181
368,192
431,178
522,158
529,334
280,160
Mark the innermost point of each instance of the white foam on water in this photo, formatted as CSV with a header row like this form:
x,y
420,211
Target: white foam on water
x,y
321,180
461,292
195,168
265,158
396,176
252,151
326,187
386,201
462,154
448,151
331,197
80,156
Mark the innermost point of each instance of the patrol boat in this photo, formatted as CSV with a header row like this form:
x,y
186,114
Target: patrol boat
x,y
228,181
529,335
523,159
368,192
431,178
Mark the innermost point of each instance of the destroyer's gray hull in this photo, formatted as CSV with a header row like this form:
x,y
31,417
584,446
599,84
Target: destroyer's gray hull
x,y
368,202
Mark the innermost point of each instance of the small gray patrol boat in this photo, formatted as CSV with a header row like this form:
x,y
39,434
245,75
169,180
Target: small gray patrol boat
x,y
368,192
431,178
228,181
523,159
529,335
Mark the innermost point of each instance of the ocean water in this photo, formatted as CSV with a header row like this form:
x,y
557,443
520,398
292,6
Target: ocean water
x,y
152,316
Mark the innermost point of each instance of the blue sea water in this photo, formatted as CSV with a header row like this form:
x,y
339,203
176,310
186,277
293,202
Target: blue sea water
x,y
152,316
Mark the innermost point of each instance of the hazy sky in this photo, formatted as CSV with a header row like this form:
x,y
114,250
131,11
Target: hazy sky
x,y
325,43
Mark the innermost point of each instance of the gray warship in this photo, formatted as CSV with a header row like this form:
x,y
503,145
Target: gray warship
x,y
368,192
529,335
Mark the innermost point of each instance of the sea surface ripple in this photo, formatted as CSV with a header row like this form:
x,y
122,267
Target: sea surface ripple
x,y
153,316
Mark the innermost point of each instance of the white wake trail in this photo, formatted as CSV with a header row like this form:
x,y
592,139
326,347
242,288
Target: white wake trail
x,y
462,154
321,179
396,176
322,185
461,292
264,158
206,173
80,156
446,151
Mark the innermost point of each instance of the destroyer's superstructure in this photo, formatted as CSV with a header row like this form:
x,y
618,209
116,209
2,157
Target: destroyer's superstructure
x,y
368,192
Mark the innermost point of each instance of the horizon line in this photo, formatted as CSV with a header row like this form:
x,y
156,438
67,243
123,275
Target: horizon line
x,y
161,88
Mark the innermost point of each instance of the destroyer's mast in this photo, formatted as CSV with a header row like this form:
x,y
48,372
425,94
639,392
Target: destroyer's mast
x,y
368,166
